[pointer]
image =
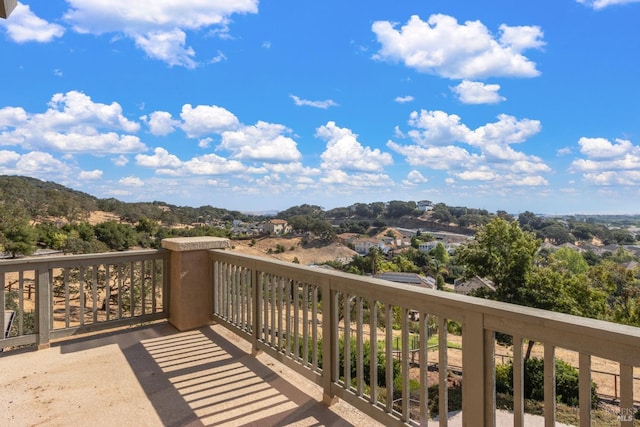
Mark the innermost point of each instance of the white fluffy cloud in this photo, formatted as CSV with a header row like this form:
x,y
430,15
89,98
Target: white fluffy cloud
x,y
211,164
403,99
263,141
8,157
601,4
345,152
158,27
356,181
160,159
160,123
437,158
317,104
442,142
507,130
207,119
90,175
72,123
35,164
168,46
131,181
601,148
607,163
24,26
436,128
443,47
414,178
478,93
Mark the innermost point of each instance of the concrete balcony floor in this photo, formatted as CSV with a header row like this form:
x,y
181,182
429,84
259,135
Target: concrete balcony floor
x,y
157,376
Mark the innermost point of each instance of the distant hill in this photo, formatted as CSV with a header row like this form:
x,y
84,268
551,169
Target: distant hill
x,y
45,200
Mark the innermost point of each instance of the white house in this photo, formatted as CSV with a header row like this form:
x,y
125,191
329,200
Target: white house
x,y
425,205
362,246
277,226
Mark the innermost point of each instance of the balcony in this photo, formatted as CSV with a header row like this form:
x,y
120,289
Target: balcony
x,y
276,351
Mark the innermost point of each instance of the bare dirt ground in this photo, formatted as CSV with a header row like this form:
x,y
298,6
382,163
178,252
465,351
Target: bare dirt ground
x,y
314,253
96,217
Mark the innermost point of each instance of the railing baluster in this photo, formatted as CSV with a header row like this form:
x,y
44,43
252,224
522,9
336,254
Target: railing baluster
x,y
132,301
107,302
334,337
314,328
443,389
256,320
228,291
423,359
67,308
21,303
244,305
3,305
274,292
143,286
518,382
44,307
347,340
305,324
281,291
265,303
287,315
584,393
296,320
389,356
236,297
373,350
94,291
82,302
119,290
626,395
154,279
359,348
405,365
549,385
249,285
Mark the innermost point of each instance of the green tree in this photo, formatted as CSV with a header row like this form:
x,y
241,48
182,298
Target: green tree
x,y
119,237
569,260
16,235
440,253
502,252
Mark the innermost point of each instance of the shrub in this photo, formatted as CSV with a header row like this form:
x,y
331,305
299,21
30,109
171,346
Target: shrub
x,y
566,381
366,362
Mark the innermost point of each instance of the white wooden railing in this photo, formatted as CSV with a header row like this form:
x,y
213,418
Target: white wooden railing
x,y
301,315
58,296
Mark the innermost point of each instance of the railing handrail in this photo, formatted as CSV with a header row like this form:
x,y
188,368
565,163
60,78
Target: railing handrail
x,y
62,260
251,292
42,271
620,342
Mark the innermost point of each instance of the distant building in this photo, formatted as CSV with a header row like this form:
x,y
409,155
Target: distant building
x,y
277,226
425,205
465,287
363,245
409,279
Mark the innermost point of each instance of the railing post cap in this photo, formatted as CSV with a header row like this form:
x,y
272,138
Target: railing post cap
x,y
181,244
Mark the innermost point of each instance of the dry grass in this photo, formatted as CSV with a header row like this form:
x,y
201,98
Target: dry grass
x,y
294,248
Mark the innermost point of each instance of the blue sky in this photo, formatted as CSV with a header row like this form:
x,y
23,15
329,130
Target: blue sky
x,y
501,105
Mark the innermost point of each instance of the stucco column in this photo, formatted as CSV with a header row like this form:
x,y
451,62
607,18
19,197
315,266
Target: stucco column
x,y
190,284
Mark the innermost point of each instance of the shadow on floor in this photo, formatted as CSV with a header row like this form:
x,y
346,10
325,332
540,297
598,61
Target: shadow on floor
x,y
200,378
